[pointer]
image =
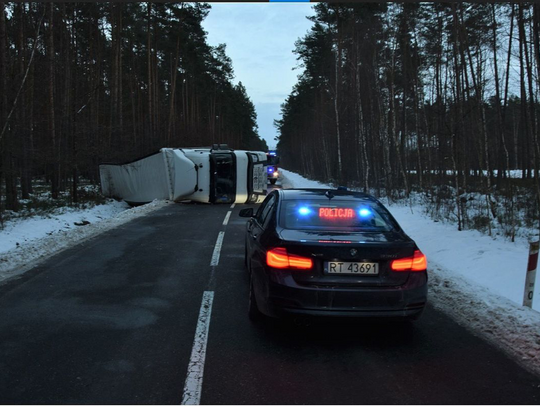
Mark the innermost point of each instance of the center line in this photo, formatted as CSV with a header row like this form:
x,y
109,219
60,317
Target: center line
x,y
217,249
194,378
226,220
232,206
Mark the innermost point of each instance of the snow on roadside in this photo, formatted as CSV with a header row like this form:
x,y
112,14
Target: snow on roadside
x,y
26,241
21,230
496,264
297,181
476,279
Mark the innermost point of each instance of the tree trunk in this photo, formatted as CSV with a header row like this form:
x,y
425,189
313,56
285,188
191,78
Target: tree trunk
x,y
174,75
454,139
54,164
150,75
501,126
337,78
8,170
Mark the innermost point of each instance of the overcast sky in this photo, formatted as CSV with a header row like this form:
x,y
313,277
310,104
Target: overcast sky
x,y
260,39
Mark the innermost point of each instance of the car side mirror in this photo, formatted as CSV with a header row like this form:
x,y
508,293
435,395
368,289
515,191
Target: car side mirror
x,y
246,213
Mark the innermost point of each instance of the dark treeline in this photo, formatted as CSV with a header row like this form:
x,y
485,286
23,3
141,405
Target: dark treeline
x,y
85,83
415,96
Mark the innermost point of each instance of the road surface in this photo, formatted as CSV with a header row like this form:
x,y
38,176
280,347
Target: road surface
x,y
155,312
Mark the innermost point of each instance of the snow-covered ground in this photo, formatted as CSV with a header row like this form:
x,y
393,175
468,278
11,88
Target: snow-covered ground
x,y
26,241
477,279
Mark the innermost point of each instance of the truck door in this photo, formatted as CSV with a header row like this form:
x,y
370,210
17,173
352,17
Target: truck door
x,y
223,180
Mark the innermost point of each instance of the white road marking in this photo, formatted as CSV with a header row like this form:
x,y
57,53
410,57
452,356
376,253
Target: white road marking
x,y
232,206
226,220
217,249
194,378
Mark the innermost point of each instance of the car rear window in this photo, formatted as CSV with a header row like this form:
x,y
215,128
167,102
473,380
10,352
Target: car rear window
x,y
335,215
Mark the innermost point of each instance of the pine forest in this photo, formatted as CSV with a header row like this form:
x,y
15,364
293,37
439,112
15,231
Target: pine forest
x,y
440,99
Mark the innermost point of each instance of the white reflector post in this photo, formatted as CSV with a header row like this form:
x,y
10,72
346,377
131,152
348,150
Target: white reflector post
x,y
531,274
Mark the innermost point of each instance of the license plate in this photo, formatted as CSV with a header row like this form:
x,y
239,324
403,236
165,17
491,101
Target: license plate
x,y
345,267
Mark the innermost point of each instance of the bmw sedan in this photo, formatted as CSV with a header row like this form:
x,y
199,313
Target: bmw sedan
x,y
331,253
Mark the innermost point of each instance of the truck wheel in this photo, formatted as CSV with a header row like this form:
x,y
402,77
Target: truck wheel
x,y
273,181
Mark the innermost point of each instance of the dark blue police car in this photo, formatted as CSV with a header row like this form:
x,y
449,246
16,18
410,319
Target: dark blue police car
x,y
331,253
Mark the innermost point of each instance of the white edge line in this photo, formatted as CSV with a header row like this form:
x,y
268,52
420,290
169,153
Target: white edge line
x,y
194,378
226,220
217,249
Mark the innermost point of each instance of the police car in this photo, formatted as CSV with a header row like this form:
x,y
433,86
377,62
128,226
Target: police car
x,y
331,253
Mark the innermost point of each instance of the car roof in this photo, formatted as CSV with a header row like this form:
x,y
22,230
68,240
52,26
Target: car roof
x,y
323,194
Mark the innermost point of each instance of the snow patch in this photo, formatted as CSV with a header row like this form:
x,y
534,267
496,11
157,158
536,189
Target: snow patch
x,y
25,242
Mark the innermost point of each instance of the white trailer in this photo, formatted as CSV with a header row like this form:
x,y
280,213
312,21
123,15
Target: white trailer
x,y
210,175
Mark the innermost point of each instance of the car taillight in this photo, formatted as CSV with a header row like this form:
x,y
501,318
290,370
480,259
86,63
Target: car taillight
x,y
416,263
280,259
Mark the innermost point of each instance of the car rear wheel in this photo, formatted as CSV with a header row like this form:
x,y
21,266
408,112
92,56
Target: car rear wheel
x,y
253,310
245,257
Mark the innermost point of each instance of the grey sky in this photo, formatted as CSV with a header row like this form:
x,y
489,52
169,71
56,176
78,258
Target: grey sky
x,y
260,38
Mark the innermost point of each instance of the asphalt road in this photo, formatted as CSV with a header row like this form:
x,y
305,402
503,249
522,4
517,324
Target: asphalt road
x,y
113,321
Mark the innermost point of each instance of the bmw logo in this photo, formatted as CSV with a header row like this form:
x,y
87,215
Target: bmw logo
x,y
354,252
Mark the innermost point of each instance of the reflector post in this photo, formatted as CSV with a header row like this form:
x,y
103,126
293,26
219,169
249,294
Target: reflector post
x,y
530,277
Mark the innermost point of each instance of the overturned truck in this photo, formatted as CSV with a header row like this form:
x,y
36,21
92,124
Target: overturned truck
x,y
210,175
